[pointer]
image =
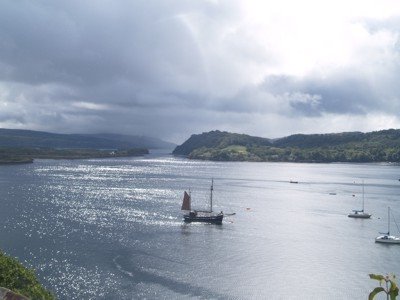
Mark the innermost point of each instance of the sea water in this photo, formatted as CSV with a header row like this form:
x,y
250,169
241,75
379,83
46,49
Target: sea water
x,y
113,229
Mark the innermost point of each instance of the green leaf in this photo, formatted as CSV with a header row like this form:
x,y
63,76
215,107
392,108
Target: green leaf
x,y
392,296
377,277
375,291
394,290
393,287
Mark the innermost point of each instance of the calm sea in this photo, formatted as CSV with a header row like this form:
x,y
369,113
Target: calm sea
x,y
112,228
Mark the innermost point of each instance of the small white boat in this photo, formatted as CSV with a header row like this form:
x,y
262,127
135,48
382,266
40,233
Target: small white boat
x,y
360,214
386,238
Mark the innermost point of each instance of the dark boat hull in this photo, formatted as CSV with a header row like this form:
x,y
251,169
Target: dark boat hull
x,y
359,216
216,219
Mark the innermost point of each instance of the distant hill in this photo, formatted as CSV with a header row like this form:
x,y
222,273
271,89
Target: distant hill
x,y
319,140
39,139
377,146
218,139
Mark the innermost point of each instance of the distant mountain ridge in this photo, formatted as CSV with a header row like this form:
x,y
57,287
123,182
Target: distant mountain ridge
x,y
377,146
41,139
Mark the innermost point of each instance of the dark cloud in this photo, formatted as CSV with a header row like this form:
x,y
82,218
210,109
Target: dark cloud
x,y
82,43
166,69
341,93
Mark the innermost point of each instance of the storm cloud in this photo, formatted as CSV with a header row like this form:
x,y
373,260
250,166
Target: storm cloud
x,y
172,68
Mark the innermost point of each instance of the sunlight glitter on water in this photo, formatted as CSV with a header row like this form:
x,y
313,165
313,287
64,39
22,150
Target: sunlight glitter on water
x,y
112,228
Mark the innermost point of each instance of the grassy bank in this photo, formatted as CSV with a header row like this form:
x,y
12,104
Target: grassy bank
x,y
14,276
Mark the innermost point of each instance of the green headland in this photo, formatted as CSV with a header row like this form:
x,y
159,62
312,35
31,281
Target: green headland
x,y
377,146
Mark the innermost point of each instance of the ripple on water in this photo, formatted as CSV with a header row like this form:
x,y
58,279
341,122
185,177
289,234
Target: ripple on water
x,y
112,229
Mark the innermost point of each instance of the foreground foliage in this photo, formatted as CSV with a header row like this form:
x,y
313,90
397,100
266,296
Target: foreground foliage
x,y
387,285
14,276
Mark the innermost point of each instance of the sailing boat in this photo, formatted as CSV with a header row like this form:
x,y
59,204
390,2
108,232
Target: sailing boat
x,y
386,237
199,215
360,213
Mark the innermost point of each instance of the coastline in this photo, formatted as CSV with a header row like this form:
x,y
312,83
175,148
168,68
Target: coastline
x,y
16,162
27,155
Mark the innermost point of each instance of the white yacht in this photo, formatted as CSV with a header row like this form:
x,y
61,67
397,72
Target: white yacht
x,y
386,237
360,213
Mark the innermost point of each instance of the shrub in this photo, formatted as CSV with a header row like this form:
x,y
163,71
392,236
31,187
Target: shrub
x,y
14,276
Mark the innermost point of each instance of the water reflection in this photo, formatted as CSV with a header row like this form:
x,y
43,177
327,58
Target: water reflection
x,y
112,228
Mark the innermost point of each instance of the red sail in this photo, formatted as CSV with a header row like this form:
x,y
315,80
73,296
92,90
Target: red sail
x,y
186,202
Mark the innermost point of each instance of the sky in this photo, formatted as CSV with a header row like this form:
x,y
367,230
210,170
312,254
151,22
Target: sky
x,y
169,69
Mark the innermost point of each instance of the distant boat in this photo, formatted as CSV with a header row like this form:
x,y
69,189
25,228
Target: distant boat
x,y
200,215
386,238
360,214
292,181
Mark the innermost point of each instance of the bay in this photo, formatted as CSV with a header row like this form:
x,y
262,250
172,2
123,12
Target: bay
x,y
112,228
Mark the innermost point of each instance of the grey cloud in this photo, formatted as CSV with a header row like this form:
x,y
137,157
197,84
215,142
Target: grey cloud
x,y
12,118
82,43
345,93
151,67
376,25
128,53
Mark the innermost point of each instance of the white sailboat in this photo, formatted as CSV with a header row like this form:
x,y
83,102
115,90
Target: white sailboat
x,y
360,214
386,237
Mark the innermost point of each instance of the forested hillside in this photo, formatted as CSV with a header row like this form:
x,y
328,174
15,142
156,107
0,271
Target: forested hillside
x,y
378,146
218,140
22,146
39,139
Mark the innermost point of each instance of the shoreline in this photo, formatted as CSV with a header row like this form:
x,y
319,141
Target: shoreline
x,y
26,155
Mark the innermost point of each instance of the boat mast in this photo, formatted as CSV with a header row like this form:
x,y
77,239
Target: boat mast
x,y
388,220
363,196
211,192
